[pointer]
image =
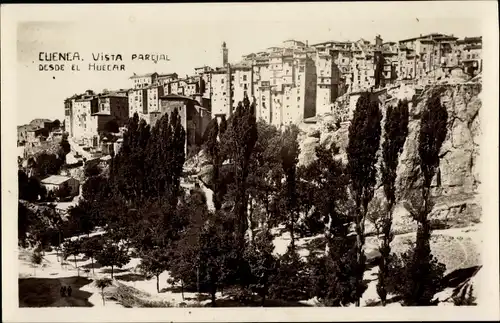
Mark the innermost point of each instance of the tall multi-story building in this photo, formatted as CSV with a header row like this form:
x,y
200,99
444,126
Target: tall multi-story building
x,y
221,92
86,115
144,80
153,94
281,81
138,102
163,79
468,51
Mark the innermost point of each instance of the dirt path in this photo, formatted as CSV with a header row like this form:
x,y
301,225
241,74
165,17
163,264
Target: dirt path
x,y
45,292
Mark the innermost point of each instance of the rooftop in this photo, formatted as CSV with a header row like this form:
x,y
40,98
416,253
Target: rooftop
x,y
168,75
143,75
40,120
55,179
177,97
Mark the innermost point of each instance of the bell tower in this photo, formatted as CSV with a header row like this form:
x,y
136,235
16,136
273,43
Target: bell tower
x,y
224,54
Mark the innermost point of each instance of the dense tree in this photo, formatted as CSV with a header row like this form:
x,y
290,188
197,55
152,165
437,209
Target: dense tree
x,y
64,147
264,179
185,264
332,272
289,154
24,219
262,264
47,164
92,169
30,188
73,248
239,140
56,123
128,167
402,271
364,140
290,282
153,263
90,247
112,254
395,133
433,130
218,257
213,147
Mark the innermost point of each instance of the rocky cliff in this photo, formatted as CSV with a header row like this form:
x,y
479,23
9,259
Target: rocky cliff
x,y
456,184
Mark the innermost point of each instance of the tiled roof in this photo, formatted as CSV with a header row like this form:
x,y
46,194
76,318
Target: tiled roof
x,y
55,179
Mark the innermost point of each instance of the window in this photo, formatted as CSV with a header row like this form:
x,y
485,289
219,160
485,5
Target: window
x,y
244,77
222,81
298,98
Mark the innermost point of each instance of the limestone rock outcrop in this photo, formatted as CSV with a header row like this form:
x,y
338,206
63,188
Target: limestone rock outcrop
x,y
455,187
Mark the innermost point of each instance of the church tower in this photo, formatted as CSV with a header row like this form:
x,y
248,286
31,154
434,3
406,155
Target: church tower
x,y
224,54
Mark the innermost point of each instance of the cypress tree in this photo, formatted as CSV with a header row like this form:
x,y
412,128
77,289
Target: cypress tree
x,y
395,133
424,271
364,140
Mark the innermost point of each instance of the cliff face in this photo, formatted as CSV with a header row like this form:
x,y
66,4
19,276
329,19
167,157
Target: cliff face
x,y
455,186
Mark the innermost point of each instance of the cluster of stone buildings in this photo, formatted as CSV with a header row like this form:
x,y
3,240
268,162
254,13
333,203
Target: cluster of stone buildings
x,y
37,131
288,83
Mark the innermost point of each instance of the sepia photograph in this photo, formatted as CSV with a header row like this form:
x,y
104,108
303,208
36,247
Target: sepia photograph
x,y
266,158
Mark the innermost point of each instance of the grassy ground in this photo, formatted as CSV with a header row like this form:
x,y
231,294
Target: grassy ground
x,y
45,292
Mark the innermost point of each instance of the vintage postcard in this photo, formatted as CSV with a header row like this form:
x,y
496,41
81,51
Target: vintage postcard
x,y
250,162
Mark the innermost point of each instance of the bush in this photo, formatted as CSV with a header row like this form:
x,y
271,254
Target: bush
x,y
401,271
290,282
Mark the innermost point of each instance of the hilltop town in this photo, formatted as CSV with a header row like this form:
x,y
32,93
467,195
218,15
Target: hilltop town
x,y
290,83
289,177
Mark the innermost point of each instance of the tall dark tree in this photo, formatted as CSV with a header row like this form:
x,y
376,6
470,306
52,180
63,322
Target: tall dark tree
x,y
185,265
262,264
395,133
332,272
290,282
364,141
239,140
433,130
91,247
56,123
289,158
218,257
64,147
266,173
72,248
213,147
30,188
112,255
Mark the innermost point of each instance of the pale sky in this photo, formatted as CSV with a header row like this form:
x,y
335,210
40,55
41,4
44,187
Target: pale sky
x,y
191,35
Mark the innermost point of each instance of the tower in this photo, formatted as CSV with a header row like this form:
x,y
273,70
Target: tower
x,y
224,54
